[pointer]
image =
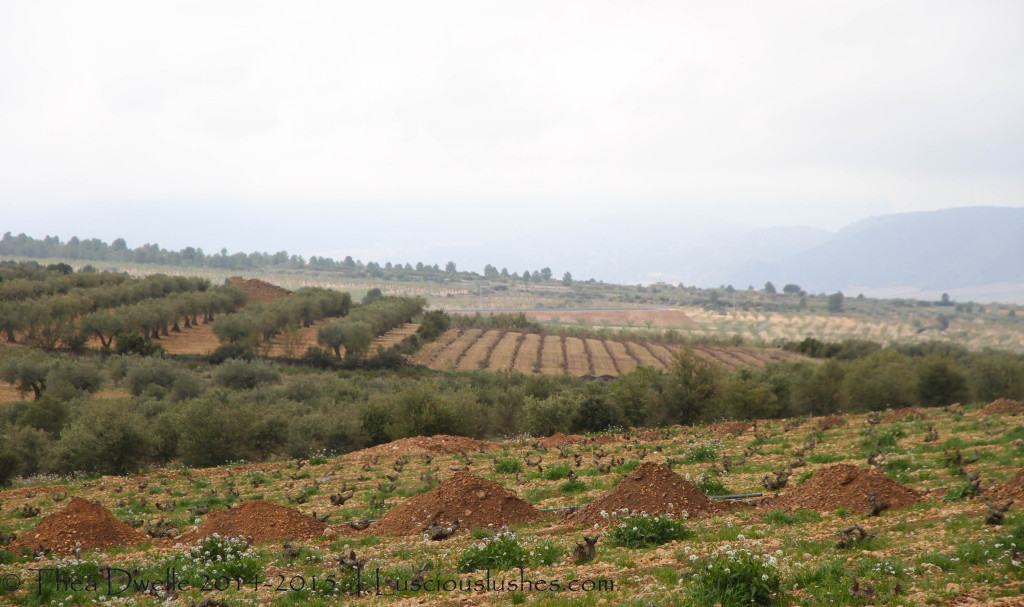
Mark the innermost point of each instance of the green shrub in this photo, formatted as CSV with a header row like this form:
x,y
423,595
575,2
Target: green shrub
x,y
546,553
144,372
734,577
108,437
646,531
133,343
246,375
701,454
231,351
231,557
10,464
556,472
572,487
960,492
500,553
508,465
711,485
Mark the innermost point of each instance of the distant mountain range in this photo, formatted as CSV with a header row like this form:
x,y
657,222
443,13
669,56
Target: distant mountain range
x,y
967,252
971,253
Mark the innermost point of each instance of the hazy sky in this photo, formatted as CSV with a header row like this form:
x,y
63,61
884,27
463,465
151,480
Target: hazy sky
x,y
815,113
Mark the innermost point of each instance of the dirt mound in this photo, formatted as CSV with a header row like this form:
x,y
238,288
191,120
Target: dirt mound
x,y
261,520
650,488
831,421
903,413
1012,489
731,429
560,440
1002,406
477,502
844,486
417,445
81,522
258,290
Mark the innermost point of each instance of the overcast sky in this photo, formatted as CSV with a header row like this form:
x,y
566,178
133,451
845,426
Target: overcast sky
x,y
769,113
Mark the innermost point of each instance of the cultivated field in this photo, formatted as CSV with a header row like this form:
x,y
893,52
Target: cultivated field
x,y
497,350
925,540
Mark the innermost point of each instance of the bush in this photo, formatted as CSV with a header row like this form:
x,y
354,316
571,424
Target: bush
x,y
246,375
133,343
508,465
10,464
144,372
499,553
544,417
230,351
433,324
107,437
646,531
701,454
734,577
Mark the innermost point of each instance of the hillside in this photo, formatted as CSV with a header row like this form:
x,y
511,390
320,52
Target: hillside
x,y
962,249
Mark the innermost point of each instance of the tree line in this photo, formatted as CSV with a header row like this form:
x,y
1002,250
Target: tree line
x,y
94,249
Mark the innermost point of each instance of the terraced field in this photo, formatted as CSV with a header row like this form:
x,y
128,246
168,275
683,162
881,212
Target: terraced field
x,y
545,354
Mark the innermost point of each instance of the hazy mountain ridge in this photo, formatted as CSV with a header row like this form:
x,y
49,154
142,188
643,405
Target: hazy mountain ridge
x,y
936,250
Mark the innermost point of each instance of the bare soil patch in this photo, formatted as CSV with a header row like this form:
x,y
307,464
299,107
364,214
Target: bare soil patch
x,y
261,520
83,523
475,501
904,413
651,488
845,486
831,421
731,429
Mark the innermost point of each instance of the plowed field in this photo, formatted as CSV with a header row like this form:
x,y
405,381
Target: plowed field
x,y
544,354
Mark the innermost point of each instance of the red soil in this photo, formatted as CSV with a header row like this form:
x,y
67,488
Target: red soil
x,y
651,488
844,486
475,501
1003,406
81,522
261,520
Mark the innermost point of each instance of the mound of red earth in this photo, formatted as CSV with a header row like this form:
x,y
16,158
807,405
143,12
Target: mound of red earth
x,y
651,488
1002,406
844,486
831,421
475,501
261,520
257,290
903,413
418,445
83,523
1012,489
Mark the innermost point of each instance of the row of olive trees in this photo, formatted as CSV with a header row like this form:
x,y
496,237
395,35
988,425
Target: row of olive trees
x,y
157,317
28,280
53,319
356,332
260,322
